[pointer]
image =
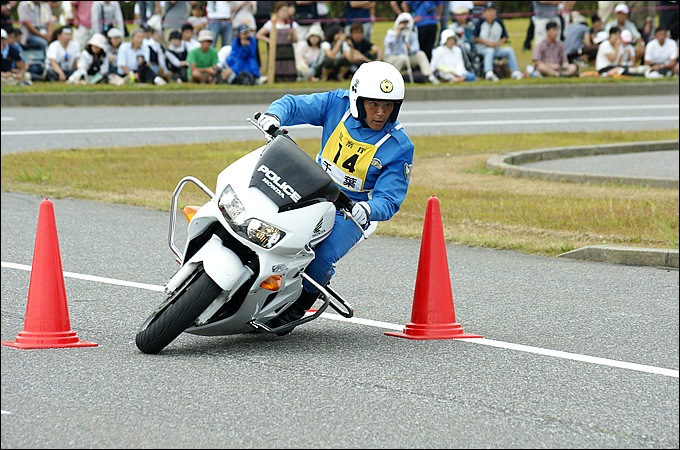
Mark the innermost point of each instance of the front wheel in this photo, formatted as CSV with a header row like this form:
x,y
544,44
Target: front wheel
x,y
170,321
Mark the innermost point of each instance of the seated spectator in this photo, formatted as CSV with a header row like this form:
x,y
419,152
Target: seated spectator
x,y
133,58
609,53
203,60
661,55
287,32
490,37
156,59
447,60
61,56
335,54
622,22
402,49
242,67
115,38
93,62
578,41
13,68
176,58
188,39
308,54
550,57
464,27
627,55
362,50
36,24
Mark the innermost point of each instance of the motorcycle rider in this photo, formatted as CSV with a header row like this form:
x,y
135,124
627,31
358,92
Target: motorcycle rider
x,y
364,149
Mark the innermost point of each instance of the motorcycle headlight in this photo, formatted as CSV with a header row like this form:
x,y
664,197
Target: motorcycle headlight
x,y
263,234
231,207
255,230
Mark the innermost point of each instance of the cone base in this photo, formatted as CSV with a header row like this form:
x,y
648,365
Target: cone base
x,y
27,340
423,332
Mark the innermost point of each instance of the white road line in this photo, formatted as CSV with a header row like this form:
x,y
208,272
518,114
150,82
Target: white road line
x,y
458,123
465,111
374,323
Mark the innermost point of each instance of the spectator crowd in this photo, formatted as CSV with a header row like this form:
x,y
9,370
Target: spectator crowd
x,y
217,42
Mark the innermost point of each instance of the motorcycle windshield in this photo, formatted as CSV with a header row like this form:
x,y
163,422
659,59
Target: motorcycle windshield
x,y
290,178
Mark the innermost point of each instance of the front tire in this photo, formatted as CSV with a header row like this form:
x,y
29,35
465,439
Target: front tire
x,y
166,325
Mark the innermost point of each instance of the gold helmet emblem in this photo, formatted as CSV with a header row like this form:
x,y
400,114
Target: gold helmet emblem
x,y
386,86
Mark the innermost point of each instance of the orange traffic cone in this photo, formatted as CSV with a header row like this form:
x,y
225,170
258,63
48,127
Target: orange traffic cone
x,y
433,315
47,323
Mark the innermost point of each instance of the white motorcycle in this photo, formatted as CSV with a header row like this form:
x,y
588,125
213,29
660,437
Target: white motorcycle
x,y
247,248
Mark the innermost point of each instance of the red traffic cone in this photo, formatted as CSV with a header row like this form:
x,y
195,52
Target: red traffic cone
x,y
47,323
433,315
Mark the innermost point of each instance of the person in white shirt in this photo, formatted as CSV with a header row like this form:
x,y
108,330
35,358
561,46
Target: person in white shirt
x,y
447,60
661,55
93,62
61,56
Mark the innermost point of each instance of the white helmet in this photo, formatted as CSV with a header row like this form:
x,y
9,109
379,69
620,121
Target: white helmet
x,y
375,80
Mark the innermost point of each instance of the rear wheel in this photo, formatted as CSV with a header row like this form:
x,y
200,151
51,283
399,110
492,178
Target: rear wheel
x,y
171,320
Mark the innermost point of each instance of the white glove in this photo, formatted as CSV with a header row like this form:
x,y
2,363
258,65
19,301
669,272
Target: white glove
x,y
362,213
267,121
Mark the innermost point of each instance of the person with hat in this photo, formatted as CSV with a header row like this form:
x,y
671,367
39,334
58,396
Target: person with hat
x,y
115,39
622,22
93,63
13,66
203,60
242,67
365,151
61,56
447,60
490,37
402,48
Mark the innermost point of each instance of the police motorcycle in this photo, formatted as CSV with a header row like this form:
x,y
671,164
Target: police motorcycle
x,y
247,247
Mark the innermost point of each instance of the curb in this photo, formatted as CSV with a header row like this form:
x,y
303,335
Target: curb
x,y
152,97
509,164
630,256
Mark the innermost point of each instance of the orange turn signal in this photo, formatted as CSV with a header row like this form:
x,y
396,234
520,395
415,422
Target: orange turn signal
x,y
272,283
190,211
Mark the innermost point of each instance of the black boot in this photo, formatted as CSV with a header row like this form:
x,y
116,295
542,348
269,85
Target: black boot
x,y
294,312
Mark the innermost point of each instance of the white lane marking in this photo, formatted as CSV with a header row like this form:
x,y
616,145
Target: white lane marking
x,y
7,119
461,123
465,112
6,412
374,323
150,287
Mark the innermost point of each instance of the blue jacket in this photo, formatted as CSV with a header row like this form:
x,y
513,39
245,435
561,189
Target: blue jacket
x,y
387,181
243,58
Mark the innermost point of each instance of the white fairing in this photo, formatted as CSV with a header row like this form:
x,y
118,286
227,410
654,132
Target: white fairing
x,y
303,227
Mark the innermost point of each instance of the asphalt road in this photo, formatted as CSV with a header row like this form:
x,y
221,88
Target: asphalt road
x,y
77,127
575,354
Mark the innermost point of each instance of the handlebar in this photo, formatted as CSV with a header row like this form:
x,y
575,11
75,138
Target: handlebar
x,y
268,134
